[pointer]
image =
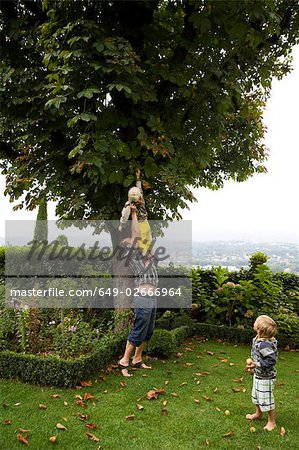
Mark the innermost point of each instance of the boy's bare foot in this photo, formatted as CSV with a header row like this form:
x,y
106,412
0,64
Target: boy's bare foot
x,y
270,426
254,416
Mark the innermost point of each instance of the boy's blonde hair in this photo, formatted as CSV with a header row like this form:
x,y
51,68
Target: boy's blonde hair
x,y
265,326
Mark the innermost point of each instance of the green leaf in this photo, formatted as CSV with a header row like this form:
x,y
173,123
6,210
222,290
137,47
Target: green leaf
x,y
55,102
88,93
129,180
87,117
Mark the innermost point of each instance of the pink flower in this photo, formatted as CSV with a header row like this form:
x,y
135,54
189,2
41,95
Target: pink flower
x,y
72,328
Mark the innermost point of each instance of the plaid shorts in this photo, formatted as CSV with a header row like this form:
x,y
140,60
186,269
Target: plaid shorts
x,y
262,393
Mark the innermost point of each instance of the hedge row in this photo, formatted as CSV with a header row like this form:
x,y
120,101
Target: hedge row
x,y
230,334
165,342
54,371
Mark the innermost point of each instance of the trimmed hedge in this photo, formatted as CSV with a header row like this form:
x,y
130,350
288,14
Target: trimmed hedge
x,y
54,371
164,342
230,334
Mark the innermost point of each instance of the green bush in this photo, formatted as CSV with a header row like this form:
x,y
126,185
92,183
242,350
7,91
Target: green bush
x,y
2,262
181,333
162,343
54,371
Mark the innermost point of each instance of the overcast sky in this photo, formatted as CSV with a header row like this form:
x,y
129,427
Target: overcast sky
x,y
264,208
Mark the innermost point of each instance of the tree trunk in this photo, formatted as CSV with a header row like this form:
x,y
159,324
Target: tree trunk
x,y
123,281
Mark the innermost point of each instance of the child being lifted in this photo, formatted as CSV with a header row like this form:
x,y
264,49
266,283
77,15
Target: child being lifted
x,y
135,196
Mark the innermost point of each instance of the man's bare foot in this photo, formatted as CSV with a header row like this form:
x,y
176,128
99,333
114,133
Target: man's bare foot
x,y
125,373
123,365
254,416
270,426
140,364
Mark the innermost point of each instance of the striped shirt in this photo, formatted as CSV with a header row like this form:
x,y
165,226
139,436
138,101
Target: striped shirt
x,y
144,274
264,354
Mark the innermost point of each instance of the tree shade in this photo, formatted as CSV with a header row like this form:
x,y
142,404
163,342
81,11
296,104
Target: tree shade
x,y
92,90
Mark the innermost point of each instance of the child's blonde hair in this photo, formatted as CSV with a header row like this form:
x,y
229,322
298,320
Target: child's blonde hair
x,y
134,194
265,326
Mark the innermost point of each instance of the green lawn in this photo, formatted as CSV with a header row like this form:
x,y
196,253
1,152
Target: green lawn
x,y
186,424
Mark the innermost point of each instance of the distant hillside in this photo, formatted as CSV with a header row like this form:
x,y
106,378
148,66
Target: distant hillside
x,y
235,254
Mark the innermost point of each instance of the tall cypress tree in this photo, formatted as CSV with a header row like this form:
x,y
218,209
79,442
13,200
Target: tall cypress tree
x,y
41,227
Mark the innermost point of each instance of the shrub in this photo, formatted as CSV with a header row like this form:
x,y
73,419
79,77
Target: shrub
x,y
162,343
54,371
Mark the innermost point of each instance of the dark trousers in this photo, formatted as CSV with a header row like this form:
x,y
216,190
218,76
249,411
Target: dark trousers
x,y
145,315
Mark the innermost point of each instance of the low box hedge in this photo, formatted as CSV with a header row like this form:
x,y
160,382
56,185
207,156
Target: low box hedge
x,y
54,371
230,334
164,342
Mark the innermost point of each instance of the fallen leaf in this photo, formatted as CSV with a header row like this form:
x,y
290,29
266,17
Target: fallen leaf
x,y
60,426
17,404
165,402
216,390
7,422
22,439
92,437
187,364
228,434
166,382
5,405
243,390
210,353
65,419
144,375
179,354
83,417
184,383
53,439
160,391
206,373
218,409
231,364
130,417
174,394
42,406
79,396
86,383
239,380
88,396
123,384
65,403
139,406
196,401
81,403
151,394
234,389
164,411
91,426
22,430
207,442
55,395
252,429
208,399
282,431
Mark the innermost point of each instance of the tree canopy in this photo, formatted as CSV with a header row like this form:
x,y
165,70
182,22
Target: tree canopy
x,y
92,90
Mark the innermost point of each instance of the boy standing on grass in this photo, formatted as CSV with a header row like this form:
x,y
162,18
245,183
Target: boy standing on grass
x,y
262,362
